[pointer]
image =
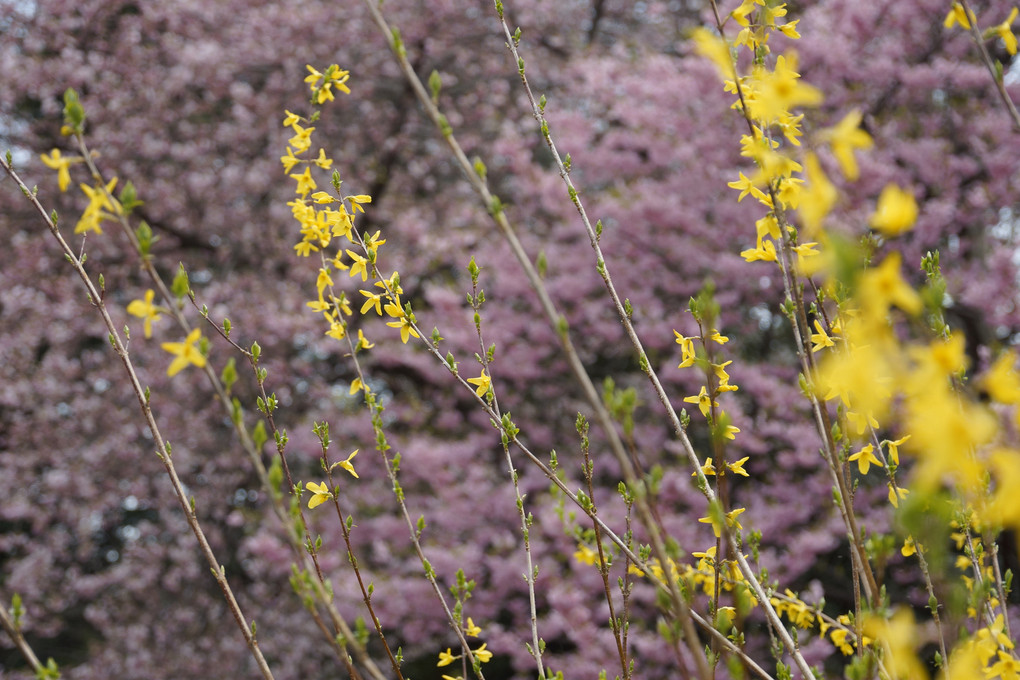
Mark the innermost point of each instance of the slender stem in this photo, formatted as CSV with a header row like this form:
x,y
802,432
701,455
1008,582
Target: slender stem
x,y
14,631
996,74
530,574
558,322
254,456
162,449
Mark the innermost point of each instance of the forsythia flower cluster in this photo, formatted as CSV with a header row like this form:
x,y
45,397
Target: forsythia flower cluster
x,y
858,361
104,206
482,654
324,218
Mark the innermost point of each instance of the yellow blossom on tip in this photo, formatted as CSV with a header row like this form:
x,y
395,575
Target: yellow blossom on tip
x,y
373,242
322,161
347,464
741,13
900,637
320,494
861,421
958,15
767,226
392,283
1005,31
99,201
336,330
704,402
909,547
844,138
720,372
731,431
789,192
942,427
789,29
710,45
393,308
305,248
1007,667
738,467
323,280
56,161
585,555
186,354
708,469
805,251
893,448
865,459
289,160
716,337
363,342
406,329
290,119
818,196
862,379
340,221
821,339
146,310
305,183
940,360
896,494
773,167
839,640
302,138
882,287
686,350
360,265
780,90
374,300
482,654
766,252
1002,380
731,521
995,634
314,77
483,382
745,186
471,630
895,213
325,93
753,145
771,12
357,201
341,303
446,658
790,124
1003,507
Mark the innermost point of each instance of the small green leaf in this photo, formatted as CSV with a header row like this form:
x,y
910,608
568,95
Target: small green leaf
x,y
435,85
229,374
180,286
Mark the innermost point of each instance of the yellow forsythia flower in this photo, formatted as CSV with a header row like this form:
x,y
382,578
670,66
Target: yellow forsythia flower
x,y
186,353
896,211
145,310
320,494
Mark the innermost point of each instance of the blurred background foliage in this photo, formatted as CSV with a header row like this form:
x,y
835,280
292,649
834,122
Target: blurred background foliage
x,y
186,99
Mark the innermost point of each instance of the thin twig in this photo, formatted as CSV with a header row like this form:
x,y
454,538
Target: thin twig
x,y
162,448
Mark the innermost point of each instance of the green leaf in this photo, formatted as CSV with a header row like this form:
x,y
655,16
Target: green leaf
x,y
229,374
180,286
